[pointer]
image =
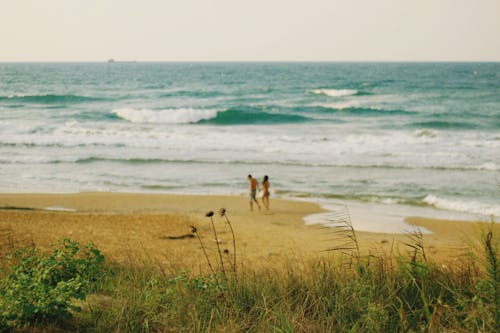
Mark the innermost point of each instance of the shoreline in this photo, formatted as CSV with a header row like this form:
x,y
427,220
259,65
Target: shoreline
x,y
392,216
125,223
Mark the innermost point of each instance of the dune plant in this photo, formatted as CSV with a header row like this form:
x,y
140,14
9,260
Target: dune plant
x,y
345,238
416,244
286,295
194,231
301,296
223,213
493,271
40,287
222,268
210,215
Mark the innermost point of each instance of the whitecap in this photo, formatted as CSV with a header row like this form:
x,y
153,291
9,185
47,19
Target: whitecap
x,y
489,166
463,206
334,92
166,116
343,105
425,133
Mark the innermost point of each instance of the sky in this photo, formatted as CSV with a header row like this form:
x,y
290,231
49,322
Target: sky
x,y
250,30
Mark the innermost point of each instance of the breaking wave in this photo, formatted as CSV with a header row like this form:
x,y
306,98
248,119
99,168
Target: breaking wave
x,y
335,92
166,116
252,116
232,116
463,206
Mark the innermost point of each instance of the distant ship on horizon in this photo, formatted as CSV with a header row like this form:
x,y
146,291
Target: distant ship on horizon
x,y
111,60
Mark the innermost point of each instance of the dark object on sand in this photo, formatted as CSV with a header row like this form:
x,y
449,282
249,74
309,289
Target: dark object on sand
x,y
179,237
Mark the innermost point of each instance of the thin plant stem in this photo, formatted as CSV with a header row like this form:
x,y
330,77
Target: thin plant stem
x,y
206,254
218,246
234,242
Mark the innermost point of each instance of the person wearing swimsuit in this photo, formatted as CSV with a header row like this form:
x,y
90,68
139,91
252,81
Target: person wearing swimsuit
x,y
265,192
253,191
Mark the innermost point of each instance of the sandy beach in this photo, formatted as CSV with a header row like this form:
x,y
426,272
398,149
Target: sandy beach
x,y
129,226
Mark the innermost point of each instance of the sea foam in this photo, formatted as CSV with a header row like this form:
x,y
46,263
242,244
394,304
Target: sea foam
x,y
488,166
343,105
168,116
463,206
334,92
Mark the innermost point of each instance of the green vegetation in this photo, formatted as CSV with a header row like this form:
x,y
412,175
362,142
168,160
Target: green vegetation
x,y
38,287
341,293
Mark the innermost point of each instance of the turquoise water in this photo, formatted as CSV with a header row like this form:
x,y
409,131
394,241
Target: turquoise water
x,y
412,134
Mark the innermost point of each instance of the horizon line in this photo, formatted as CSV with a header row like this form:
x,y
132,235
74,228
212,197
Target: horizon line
x,y
117,61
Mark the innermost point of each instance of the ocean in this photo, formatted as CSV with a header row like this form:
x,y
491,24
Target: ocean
x,y
400,136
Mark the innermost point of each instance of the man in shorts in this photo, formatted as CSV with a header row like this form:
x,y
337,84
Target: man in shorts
x,y
254,184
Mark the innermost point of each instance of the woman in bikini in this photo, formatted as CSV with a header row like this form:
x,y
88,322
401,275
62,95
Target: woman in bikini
x,y
265,192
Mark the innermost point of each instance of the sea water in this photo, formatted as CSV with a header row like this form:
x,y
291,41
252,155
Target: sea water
x,y
396,135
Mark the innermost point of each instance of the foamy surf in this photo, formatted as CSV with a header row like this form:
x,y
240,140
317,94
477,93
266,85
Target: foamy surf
x,y
335,92
488,166
343,105
425,133
472,207
165,116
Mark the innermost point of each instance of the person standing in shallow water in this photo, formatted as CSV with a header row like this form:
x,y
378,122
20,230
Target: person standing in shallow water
x,y
253,191
265,192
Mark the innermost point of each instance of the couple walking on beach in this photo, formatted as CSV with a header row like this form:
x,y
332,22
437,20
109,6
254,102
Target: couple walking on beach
x,y
264,192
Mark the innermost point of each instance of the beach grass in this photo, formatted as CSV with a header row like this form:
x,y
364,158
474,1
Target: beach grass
x,y
335,294
158,277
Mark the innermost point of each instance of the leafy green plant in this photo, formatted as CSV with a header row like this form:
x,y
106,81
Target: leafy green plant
x,y
40,287
284,325
489,287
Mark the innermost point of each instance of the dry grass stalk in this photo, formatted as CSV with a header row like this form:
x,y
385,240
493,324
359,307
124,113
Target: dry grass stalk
x,y
194,230
210,214
416,244
223,213
344,233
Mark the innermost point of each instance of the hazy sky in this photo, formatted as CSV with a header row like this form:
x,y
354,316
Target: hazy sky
x,y
251,30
